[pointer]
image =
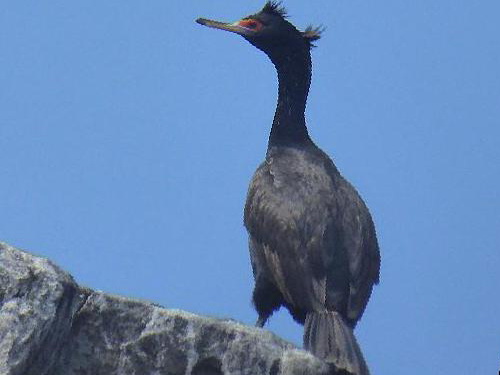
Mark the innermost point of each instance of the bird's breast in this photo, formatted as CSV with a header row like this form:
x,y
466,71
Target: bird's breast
x,y
291,194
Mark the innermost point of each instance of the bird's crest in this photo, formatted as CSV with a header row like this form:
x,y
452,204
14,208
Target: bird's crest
x,y
276,8
312,33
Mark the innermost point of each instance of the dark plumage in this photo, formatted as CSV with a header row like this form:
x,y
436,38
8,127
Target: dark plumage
x,y
312,240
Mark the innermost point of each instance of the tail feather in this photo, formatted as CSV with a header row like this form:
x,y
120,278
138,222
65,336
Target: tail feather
x,y
327,336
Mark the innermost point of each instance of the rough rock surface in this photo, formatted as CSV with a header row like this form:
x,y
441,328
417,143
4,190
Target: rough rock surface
x,y
51,326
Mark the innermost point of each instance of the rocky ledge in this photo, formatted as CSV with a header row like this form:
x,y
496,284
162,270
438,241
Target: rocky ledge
x,y
49,325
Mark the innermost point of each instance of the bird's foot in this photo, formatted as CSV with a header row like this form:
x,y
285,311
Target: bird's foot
x,y
260,321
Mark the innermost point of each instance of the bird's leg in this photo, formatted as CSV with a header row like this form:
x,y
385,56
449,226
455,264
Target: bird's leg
x,y
261,321
266,299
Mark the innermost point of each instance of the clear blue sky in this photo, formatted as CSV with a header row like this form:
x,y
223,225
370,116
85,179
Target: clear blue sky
x,y
128,136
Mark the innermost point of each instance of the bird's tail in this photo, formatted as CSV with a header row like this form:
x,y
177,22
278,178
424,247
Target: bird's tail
x,y
327,336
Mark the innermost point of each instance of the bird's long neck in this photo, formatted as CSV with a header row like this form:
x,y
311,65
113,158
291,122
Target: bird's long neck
x,y
294,76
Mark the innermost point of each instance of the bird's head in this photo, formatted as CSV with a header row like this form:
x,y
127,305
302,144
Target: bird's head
x,y
269,30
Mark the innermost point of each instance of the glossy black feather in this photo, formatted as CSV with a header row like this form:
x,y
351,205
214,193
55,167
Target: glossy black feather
x,y
276,8
311,234
313,246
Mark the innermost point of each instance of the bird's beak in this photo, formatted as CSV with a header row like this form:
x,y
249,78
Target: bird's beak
x,y
232,27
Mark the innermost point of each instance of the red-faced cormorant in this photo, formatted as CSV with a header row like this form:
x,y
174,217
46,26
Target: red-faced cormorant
x,y
313,246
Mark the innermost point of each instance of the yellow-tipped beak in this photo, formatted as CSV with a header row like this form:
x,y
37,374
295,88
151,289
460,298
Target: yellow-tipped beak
x,y
232,27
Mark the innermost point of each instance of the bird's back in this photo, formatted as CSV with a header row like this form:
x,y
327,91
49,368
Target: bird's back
x,y
310,233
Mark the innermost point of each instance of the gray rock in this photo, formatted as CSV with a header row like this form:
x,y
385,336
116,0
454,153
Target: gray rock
x,y
51,326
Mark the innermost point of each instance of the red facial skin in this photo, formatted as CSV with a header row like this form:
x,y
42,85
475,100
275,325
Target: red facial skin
x,y
251,24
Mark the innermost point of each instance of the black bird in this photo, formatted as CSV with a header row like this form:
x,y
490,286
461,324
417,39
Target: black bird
x,y
312,241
